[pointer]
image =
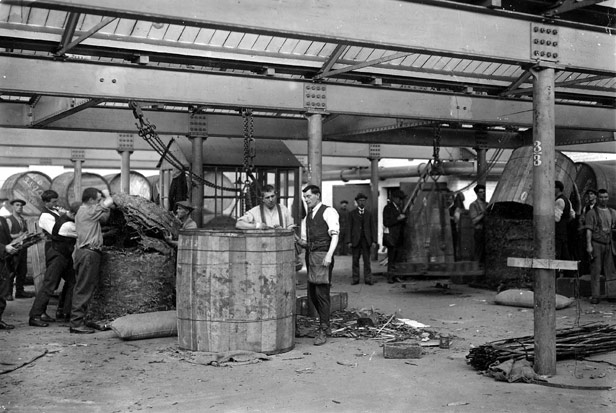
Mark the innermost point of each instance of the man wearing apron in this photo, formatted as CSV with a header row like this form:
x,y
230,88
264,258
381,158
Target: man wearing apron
x,y
320,231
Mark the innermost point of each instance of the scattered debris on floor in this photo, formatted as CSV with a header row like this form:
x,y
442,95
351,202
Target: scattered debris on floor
x,y
222,359
369,324
571,343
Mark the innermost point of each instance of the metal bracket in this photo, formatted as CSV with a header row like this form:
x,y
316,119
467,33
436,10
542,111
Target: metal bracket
x,y
197,125
315,97
544,42
374,151
78,155
125,142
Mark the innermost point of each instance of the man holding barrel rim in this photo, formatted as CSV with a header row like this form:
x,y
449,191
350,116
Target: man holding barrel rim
x,y
270,214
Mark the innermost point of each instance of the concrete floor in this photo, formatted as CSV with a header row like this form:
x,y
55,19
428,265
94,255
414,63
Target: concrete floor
x,y
101,373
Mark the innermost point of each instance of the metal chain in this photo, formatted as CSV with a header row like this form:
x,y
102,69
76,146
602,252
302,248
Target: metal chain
x,y
148,132
436,142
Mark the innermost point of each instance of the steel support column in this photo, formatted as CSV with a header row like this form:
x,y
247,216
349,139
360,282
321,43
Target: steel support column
x,y
77,179
165,182
125,172
77,157
197,187
374,192
543,220
315,148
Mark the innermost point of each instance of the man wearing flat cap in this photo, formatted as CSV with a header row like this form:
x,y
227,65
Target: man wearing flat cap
x,y
182,212
18,227
360,237
394,221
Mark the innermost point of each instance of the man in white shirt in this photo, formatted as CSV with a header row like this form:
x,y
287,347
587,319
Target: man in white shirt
x,y
320,232
270,214
4,208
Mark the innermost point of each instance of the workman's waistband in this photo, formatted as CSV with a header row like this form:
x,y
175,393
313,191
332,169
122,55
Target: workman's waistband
x,y
87,247
318,246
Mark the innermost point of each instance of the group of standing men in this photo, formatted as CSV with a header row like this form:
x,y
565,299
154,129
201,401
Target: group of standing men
x,y
73,250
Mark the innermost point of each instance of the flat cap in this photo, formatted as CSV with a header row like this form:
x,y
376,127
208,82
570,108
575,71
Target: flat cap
x,y
13,201
360,196
185,205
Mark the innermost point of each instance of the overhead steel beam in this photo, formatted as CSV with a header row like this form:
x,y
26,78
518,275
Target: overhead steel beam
x,y
110,45
27,139
397,25
62,156
115,82
13,161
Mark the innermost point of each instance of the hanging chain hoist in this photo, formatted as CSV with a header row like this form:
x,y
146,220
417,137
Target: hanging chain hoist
x,y
250,183
148,132
433,169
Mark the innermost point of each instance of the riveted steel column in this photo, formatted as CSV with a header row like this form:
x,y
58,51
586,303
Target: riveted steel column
x,y
197,187
125,148
165,182
125,173
315,148
78,157
197,126
375,153
543,220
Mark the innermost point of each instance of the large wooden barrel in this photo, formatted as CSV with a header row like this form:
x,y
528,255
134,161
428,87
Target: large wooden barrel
x,y
64,185
597,175
516,182
139,184
27,186
236,290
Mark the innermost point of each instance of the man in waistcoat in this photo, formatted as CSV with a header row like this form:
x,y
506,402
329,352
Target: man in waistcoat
x,y
600,227
59,265
320,232
18,227
360,237
270,214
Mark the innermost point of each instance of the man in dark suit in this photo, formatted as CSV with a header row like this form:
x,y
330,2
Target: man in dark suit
x,y
394,221
360,237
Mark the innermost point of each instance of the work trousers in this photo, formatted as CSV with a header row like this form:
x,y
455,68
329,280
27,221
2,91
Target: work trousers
x,y
58,266
362,249
87,272
20,261
5,276
602,263
318,295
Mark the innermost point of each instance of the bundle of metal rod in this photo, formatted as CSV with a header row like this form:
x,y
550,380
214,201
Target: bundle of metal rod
x,y
571,343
